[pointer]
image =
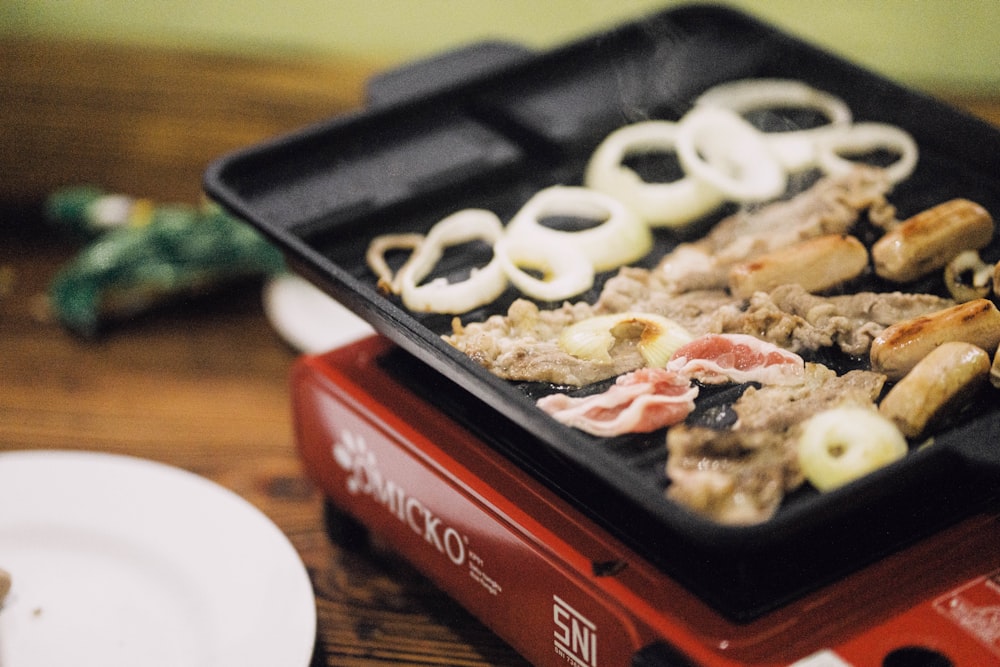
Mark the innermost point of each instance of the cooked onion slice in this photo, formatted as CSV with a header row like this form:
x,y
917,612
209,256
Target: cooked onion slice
x,y
657,337
842,444
483,285
720,147
794,148
863,138
968,277
375,257
566,270
660,204
619,237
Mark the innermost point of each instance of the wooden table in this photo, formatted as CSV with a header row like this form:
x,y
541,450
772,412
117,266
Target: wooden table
x,y
203,384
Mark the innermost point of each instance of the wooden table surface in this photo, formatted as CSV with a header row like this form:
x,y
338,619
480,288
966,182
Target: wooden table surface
x,y
202,384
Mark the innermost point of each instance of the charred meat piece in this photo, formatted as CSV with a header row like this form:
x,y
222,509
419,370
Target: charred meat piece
x,y
832,206
796,320
740,476
524,344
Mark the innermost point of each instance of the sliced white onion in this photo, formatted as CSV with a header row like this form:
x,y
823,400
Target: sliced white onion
x,y
375,257
660,204
717,145
483,285
566,270
794,148
620,237
863,138
593,338
841,444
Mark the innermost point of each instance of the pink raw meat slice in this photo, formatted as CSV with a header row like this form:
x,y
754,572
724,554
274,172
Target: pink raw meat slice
x,y
721,358
639,402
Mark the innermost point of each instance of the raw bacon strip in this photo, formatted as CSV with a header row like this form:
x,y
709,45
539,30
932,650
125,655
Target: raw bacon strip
x,y
721,358
638,402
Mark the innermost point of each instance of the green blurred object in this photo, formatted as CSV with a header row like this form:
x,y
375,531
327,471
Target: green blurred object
x,y
86,211
68,208
142,261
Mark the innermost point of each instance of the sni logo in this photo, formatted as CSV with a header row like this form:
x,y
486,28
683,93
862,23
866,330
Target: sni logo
x,y
575,635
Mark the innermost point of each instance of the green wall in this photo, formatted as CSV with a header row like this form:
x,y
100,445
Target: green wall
x,y
944,45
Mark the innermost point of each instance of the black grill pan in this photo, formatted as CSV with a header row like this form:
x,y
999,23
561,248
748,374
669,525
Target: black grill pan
x,y
489,127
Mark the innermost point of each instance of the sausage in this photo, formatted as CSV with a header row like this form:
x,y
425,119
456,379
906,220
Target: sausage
x,y
939,384
901,346
930,239
816,264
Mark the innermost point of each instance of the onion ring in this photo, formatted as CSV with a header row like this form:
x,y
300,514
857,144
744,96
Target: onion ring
x,y
721,147
865,137
567,269
483,285
794,148
620,237
841,444
660,204
375,258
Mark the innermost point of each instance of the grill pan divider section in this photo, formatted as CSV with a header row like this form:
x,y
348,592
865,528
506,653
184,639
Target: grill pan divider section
x,y
281,187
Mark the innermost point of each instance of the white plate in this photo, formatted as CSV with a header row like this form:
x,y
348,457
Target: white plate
x,y
124,561
309,319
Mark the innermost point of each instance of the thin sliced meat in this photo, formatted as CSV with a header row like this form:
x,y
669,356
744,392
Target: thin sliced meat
x,y
796,320
722,358
739,476
832,205
733,477
638,402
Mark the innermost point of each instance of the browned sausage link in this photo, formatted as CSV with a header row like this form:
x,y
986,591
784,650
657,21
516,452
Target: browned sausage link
x,y
939,384
816,264
930,239
901,346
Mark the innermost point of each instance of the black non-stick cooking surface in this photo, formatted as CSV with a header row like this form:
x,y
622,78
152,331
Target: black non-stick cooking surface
x,y
493,136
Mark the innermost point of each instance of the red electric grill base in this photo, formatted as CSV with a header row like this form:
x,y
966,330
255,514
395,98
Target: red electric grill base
x,y
561,590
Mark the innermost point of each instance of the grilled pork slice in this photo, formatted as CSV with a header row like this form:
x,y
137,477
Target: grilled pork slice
x,y
832,206
524,344
740,476
792,318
